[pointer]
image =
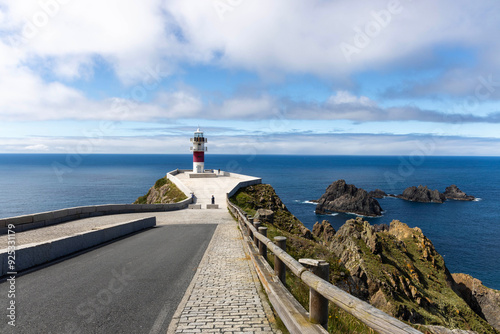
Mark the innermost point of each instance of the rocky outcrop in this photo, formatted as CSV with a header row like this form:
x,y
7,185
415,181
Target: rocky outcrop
x,y
443,330
395,268
484,301
324,232
263,203
453,192
422,194
399,271
377,193
163,192
265,216
342,197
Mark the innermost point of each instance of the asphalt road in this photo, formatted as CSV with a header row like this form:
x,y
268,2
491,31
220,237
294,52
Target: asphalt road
x,y
133,285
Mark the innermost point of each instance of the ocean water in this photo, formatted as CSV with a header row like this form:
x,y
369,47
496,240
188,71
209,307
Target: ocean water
x,y
467,234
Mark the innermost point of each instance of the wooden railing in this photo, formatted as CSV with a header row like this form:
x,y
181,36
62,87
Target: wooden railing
x,y
366,313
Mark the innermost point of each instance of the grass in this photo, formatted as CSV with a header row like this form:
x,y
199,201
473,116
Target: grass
x,y
161,182
163,191
339,321
143,199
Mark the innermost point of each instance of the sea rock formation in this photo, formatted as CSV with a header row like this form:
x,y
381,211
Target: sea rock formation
x,y
377,193
422,194
324,232
342,197
484,301
453,192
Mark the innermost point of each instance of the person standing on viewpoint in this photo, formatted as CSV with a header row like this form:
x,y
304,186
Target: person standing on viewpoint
x,y
213,199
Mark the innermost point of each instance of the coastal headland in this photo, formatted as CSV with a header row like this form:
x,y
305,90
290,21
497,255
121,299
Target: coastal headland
x,y
395,268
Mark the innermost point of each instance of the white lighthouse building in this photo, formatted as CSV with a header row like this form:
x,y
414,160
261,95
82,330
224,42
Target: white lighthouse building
x,y
198,149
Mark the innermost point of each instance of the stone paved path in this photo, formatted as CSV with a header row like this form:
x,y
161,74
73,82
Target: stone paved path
x,y
224,295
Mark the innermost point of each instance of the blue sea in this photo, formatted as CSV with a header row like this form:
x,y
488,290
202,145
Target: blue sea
x,y
467,234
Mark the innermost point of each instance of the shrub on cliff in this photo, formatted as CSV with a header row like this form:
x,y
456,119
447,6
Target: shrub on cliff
x,y
163,192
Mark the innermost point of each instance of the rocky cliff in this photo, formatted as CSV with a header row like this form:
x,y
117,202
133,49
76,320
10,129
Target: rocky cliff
x,y
395,268
262,202
422,194
163,192
342,197
484,301
399,271
453,192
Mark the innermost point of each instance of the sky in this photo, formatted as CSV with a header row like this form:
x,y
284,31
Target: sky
x,y
328,77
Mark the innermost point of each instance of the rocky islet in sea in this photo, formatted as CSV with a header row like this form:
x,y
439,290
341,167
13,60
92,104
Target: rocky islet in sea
x,y
347,198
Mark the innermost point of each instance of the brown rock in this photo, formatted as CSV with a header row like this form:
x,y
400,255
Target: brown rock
x,y
324,231
264,216
443,330
484,301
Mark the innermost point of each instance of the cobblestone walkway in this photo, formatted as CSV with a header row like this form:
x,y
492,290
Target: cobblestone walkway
x,y
224,296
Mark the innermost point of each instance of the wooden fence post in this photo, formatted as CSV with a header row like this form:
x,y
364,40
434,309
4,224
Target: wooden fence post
x,y
255,240
250,220
318,305
262,246
279,266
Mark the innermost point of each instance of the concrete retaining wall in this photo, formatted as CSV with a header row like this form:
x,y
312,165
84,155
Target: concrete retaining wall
x,y
243,184
28,256
172,177
28,222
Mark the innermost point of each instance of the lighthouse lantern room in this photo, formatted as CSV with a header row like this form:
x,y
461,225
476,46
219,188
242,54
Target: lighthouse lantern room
x,y
198,149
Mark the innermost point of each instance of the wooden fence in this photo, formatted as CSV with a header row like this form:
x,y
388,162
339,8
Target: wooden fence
x,y
366,313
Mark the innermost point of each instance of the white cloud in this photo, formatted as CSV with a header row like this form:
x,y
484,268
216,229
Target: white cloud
x,y
127,34
345,97
37,148
288,36
305,36
65,42
345,144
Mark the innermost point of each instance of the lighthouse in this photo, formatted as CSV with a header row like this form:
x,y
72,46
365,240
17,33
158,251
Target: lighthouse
x,y
198,149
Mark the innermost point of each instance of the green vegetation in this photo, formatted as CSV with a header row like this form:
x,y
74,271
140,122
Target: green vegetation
x,y
143,199
163,192
415,281
398,271
252,198
263,196
161,182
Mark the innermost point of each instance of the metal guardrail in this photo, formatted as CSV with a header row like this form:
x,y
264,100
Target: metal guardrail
x,y
366,313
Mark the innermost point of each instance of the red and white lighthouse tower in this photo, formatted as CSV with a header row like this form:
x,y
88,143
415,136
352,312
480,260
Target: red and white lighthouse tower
x,y
198,151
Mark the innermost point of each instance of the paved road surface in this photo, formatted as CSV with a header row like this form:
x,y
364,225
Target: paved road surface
x,y
130,286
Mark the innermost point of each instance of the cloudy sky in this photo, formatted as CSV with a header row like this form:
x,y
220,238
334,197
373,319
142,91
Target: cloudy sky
x,y
266,77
